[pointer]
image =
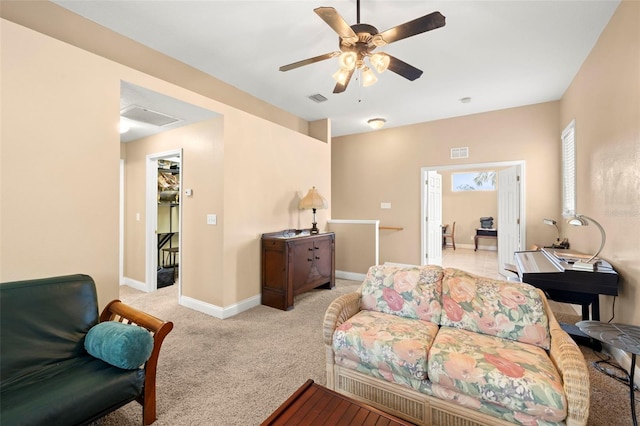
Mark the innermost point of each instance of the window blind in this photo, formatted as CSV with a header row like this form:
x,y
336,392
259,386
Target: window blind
x,y
569,170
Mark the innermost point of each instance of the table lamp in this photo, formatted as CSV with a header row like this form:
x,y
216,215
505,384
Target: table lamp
x,y
552,222
313,200
581,220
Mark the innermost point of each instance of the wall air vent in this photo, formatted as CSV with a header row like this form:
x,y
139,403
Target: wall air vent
x,y
318,98
459,152
147,116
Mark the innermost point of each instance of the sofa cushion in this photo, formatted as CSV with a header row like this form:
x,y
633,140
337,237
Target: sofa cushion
x,y
499,308
121,345
69,392
395,345
410,292
518,376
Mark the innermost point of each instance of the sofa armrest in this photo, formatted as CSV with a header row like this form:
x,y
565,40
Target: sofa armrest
x,y
340,310
118,311
569,361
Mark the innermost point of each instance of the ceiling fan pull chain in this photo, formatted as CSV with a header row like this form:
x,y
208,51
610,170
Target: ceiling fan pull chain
x,y
357,11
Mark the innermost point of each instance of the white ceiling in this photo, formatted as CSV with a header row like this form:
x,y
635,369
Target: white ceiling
x,y
132,95
501,54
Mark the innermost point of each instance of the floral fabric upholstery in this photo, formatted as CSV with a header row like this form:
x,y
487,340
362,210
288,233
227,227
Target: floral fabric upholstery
x,y
512,311
409,292
392,345
465,366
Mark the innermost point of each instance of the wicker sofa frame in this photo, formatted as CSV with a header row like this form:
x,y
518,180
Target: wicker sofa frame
x,y
423,409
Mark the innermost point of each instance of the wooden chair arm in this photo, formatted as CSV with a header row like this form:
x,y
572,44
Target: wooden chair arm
x,y
340,310
118,311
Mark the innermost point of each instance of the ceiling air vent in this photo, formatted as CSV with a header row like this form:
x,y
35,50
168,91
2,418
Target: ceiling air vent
x,y
144,115
459,152
318,98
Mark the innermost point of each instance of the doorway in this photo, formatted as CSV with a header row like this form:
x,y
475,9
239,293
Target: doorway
x,y
164,219
511,207
158,128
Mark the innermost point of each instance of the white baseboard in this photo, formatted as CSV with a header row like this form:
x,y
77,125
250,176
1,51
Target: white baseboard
x,y
138,285
402,265
217,311
350,276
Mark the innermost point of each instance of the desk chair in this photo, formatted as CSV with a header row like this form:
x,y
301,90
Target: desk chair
x,y
450,235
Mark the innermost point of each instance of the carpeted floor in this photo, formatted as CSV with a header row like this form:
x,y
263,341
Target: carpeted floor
x,y
239,370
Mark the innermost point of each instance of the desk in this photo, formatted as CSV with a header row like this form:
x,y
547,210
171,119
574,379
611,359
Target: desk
x,y
485,233
621,336
550,271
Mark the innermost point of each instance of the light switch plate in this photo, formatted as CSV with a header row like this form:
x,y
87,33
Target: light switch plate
x,y
212,219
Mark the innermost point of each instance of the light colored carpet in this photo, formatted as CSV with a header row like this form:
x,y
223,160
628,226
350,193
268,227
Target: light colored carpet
x,y
239,370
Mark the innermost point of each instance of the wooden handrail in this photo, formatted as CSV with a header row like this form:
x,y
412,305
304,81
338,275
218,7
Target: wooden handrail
x,y
392,228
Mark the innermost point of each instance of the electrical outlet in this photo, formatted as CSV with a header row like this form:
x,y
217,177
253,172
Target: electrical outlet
x,y
385,205
212,219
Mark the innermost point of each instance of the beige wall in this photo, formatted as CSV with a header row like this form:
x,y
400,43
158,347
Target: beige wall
x,y
202,164
384,166
60,162
55,21
604,99
466,208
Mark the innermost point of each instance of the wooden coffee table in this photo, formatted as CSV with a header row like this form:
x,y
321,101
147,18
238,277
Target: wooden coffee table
x,y
313,404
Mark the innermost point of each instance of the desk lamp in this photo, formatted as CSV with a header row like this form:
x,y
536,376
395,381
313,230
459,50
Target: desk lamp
x,y
582,220
553,223
313,200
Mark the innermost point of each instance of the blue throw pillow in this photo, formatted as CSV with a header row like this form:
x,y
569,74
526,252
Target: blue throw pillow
x,y
123,345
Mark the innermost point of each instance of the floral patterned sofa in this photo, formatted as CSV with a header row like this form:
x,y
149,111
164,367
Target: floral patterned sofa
x,y
442,346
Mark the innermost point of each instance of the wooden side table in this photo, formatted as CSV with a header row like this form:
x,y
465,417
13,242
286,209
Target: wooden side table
x,y
621,336
484,233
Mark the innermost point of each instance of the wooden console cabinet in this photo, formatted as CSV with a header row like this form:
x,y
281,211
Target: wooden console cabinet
x,y
294,262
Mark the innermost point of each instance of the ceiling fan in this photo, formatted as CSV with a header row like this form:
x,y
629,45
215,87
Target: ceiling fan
x,y
359,41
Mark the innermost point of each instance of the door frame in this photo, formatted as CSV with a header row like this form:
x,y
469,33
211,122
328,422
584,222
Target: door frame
x,y
151,238
423,175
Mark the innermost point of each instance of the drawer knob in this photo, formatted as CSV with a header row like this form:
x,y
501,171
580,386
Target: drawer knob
x,y
309,260
317,257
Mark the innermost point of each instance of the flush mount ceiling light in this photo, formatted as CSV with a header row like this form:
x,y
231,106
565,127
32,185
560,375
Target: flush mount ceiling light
x,y
357,43
376,123
124,126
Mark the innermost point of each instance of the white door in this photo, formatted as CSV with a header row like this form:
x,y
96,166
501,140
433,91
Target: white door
x,y
433,209
508,216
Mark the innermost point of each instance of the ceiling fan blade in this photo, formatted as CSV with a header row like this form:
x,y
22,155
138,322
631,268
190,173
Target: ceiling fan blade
x,y
342,87
417,26
404,69
309,61
339,25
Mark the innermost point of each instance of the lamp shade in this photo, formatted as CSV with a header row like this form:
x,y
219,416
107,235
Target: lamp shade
x,y
582,220
313,200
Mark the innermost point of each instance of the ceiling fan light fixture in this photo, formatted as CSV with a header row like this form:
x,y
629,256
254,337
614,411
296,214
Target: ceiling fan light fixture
x,y
380,62
348,60
368,77
376,123
341,75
